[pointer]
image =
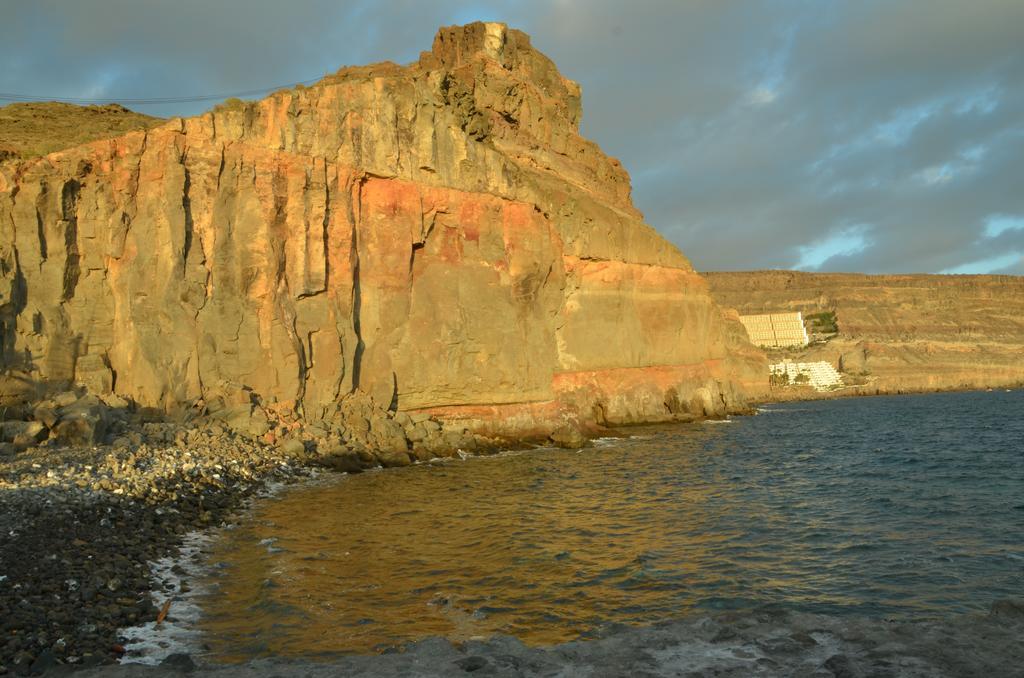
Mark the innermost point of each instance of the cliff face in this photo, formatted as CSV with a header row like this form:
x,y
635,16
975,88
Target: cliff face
x,y
901,332
438,236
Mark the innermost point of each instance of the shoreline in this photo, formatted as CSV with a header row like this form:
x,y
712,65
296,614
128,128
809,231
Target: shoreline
x,y
76,546
79,528
766,641
806,393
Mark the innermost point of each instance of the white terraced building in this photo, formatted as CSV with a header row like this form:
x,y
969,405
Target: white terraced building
x,y
776,330
820,375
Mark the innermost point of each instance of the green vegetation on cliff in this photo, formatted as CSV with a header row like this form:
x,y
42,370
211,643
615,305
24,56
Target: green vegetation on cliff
x,y
822,323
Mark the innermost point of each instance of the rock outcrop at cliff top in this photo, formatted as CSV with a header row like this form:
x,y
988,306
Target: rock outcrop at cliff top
x,y
438,236
29,130
901,332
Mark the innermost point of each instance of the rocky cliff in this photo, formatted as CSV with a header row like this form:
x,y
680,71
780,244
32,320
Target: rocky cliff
x,y
899,332
438,236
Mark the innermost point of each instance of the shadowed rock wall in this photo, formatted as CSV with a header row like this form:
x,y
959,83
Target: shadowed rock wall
x,y
438,236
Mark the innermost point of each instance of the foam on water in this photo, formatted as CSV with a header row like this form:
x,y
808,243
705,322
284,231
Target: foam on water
x,y
608,441
152,642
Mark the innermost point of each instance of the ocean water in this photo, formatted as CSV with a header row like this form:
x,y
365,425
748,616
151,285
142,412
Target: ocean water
x,y
900,508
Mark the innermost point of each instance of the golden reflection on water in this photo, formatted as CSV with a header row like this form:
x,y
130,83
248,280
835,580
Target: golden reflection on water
x,y
829,513
543,545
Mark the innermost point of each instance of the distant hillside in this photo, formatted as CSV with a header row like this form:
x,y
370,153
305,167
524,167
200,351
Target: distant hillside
x,y
29,130
899,332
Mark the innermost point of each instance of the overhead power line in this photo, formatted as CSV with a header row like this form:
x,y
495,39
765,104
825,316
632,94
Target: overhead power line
x,y
7,96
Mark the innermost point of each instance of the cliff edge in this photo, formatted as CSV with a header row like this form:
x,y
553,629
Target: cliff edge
x,y
438,236
30,130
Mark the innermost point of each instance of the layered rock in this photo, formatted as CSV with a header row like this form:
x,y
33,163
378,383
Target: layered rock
x,y
438,236
899,332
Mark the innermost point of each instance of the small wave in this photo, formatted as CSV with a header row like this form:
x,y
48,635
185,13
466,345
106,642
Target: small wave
x,y
860,547
718,421
270,542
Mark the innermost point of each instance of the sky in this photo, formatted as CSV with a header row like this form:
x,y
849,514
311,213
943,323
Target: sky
x,y
881,137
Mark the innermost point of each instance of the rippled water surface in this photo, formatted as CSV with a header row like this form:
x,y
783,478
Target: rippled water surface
x,y
895,506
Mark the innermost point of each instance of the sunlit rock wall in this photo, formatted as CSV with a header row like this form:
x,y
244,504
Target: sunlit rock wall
x,y
438,235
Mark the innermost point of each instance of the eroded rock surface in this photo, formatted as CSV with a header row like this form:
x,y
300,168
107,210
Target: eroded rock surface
x,y
438,237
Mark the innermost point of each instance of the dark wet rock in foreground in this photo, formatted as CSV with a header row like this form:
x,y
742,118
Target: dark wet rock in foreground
x,y
74,561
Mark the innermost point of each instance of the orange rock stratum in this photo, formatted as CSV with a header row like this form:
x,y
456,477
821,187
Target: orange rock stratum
x,y
438,236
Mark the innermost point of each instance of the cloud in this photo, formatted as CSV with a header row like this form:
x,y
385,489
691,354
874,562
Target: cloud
x,y
756,132
845,243
762,96
997,224
996,263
